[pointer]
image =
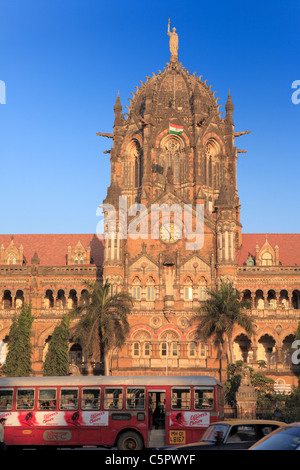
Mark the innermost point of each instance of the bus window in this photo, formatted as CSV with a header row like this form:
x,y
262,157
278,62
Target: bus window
x,y
90,399
69,399
181,399
25,399
203,398
113,398
47,399
135,398
6,399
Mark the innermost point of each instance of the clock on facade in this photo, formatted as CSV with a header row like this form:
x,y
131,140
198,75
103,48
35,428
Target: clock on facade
x,y
170,233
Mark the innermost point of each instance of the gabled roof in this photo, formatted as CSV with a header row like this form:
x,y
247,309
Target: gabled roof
x,y
288,244
52,249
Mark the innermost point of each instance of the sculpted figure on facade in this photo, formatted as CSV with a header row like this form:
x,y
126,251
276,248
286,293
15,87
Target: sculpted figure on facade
x,y
173,41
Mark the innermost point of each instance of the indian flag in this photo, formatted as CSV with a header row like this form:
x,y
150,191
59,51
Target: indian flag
x,y
175,129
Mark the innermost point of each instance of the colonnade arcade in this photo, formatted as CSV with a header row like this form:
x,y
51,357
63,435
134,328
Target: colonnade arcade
x,y
271,299
269,347
65,298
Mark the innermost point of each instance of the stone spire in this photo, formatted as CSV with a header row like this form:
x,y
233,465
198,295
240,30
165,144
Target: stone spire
x,y
119,118
229,108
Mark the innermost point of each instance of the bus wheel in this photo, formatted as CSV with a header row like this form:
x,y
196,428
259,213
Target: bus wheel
x,y
130,440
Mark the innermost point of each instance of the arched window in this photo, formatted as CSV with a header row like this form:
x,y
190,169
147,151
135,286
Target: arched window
x,y
188,293
141,346
172,159
73,299
296,299
136,349
150,292
75,354
147,349
150,289
175,349
266,259
19,301
271,299
49,299
163,349
136,288
192,349
133,166
211,164
60,299
188,289
202,289
7,299
136,292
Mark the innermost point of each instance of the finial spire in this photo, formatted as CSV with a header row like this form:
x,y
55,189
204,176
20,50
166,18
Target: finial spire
x,y
229,105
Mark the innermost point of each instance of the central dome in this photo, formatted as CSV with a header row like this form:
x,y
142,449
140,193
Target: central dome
x,y
174,89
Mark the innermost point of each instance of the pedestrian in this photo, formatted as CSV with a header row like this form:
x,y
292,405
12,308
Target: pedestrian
x,y
2,442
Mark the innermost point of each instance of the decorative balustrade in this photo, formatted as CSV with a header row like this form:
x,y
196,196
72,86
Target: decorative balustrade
x,y
275,312
269,269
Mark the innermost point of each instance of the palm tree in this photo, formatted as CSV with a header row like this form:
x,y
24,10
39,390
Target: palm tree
x,y
103,324
221,312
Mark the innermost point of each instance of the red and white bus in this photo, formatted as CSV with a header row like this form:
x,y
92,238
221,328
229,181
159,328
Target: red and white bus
x,y
131,413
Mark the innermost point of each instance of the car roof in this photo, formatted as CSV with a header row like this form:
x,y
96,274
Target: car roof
x,y
236,421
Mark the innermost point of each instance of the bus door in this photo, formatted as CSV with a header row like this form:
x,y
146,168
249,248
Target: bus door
x,y
156,417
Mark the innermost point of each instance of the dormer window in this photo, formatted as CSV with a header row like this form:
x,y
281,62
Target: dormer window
x,y
250,261
266,259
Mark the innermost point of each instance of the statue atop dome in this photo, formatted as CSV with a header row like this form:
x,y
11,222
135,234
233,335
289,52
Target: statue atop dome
x,y
173,43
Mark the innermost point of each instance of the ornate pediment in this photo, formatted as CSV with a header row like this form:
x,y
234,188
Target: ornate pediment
x,y
143,265
11,254
79,254
195,264
266,255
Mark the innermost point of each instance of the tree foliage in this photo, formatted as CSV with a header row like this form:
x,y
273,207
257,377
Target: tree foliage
x,y
103,324
57,358
264,385
18,360
224,309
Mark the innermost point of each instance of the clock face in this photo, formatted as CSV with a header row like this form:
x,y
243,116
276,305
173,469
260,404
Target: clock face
x,y
170,233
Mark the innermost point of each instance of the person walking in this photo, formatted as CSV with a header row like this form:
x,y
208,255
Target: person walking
x,y
2,441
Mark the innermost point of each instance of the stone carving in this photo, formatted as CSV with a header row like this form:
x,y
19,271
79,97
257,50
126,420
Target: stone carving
x,y
245,380
246,397
173,43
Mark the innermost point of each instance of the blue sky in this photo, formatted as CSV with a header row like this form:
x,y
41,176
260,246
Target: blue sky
x,y
63,62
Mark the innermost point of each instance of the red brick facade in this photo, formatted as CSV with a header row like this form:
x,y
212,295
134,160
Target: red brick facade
x,y
168,277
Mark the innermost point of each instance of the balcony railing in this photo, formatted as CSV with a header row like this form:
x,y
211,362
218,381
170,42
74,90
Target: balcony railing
x,y
275,312
269,269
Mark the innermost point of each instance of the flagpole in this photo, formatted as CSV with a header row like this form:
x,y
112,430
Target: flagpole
x,y
174,90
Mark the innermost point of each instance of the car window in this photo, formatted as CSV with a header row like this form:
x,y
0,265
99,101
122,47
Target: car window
x,y
242,433
212,433
282,439
266,429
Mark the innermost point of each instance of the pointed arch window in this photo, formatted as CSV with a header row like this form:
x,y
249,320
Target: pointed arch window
x,y
136,289
188,289
136,292
150,289
172,159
